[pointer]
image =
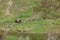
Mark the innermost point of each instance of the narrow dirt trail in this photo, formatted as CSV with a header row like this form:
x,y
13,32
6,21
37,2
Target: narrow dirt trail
x,y
7,12
24,8
51,36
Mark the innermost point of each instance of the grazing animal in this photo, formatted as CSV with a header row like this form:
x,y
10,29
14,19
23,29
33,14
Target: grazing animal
x,y
17,21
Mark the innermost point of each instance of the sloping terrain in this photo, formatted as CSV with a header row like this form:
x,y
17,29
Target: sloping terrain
x,y
27,12
32,15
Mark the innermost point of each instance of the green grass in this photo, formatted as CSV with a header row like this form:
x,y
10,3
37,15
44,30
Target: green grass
x,y
24,16
50,24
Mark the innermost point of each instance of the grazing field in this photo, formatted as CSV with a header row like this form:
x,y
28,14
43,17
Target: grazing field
x,y
29,16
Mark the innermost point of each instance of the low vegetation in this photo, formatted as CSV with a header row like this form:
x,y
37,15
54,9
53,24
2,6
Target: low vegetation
x,y
29,16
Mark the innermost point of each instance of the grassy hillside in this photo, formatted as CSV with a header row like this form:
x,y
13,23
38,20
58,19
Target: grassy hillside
x,y
34,15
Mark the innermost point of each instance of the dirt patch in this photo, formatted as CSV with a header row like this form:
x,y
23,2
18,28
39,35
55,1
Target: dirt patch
x,y
7,12
24,8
